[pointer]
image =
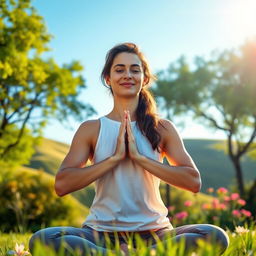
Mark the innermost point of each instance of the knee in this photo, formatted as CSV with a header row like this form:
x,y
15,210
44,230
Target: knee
x,y
221,238
38,237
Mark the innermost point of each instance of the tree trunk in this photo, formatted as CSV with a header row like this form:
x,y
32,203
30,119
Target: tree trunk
x,y
239,175
167,188
167,193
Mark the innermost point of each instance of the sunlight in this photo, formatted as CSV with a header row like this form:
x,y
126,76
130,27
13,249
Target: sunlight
x,y
241,19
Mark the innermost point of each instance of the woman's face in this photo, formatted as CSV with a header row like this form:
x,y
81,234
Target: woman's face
x,y
126,75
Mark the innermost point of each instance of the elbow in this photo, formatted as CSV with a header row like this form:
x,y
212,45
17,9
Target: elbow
x,y
58,190
58,187
197,187
197,184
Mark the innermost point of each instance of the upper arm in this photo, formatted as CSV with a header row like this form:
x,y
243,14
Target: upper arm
x,y
173,146
80,148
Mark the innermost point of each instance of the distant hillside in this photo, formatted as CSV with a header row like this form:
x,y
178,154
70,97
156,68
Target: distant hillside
x,y
215,167
49,155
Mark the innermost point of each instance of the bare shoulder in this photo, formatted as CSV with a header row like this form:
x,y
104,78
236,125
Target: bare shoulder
x,y
166,127
89,126
169,134
89,130
82,145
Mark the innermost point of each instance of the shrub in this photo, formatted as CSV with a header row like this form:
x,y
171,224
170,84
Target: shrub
x,y
28,202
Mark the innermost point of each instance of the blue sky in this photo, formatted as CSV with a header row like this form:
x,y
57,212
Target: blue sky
x,y
85,30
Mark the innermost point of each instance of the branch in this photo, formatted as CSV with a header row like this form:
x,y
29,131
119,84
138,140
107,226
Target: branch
x,y
247,145
230,147
223,114
21,130
214,122
20,120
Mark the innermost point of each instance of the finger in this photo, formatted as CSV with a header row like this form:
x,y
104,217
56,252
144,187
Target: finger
x,y
129,128
122,127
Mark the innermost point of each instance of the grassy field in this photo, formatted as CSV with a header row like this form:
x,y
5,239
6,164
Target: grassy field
x,y
212,163
242,242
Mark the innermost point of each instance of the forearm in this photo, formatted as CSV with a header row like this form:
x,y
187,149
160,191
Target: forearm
x,y
71,179
185,177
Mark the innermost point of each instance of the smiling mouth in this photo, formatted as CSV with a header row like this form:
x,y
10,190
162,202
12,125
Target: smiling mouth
x,y
127,85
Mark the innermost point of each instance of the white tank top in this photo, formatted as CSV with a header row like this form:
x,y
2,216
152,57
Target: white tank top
x,y
127,197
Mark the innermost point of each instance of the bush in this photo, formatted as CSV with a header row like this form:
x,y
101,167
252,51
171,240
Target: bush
x,y
28,202
227,210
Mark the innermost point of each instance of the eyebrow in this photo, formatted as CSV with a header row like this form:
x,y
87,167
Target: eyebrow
x,y
122,65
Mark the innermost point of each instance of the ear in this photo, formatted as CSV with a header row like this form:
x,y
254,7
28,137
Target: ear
x,y
146,81
107,79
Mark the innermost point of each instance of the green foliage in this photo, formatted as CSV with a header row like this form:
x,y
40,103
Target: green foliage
x,y
21,154
32,88
220,92
28,202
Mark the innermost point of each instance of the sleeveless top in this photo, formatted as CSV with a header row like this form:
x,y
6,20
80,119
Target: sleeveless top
x,y
127,197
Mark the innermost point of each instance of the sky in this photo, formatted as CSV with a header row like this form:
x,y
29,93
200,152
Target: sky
x,y
85,30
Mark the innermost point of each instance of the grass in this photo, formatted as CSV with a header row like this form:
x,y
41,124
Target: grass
x,y
242,242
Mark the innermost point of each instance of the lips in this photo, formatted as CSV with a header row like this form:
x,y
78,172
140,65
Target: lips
x,y
127,85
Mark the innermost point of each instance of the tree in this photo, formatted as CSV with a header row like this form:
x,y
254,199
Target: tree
x,y
220,91
32,88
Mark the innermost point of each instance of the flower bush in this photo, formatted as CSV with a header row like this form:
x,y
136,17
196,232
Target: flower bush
x,y
226,209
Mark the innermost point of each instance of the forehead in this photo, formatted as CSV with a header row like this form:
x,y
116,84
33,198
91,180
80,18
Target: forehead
x,y
126,58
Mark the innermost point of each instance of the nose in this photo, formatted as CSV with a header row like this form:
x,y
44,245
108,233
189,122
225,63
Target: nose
x,y
128,74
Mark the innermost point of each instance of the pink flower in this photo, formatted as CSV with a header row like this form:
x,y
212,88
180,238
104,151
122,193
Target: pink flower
x,y
222,191
206,206
171,208
222,206
188,203
181,215
215,217
241,202
210,190
226,198
246,213
234,196
19,250
236,213
215,203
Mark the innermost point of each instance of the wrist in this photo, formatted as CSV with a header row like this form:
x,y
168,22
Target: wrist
x,y
138,158
114,159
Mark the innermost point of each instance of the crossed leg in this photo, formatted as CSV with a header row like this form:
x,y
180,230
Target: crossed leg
x,y
86,239
73,238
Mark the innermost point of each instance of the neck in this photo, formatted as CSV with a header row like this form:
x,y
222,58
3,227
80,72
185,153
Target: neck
x,y
124,104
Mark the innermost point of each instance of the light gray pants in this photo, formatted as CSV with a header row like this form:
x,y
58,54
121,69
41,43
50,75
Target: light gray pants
x,y
85,239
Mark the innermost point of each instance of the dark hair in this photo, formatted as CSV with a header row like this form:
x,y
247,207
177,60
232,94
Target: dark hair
x,y
146,116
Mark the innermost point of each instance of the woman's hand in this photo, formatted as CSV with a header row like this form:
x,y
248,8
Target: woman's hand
x,y
126,143
132,147
120,152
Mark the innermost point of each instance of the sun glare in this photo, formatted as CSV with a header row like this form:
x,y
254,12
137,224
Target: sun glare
x,y
241,18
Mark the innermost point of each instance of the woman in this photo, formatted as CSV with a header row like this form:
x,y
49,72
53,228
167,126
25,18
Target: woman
x,y
126,148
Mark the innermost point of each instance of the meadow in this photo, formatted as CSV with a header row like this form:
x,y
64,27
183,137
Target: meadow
x,y
226,210
217,205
